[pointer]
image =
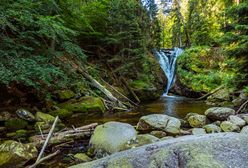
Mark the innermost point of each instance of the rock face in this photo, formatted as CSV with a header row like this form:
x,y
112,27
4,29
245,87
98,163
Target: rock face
x,y
112,137
197,120
221,150
15,154
162,122
219,113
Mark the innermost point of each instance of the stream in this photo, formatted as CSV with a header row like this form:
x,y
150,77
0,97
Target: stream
x,y
170,105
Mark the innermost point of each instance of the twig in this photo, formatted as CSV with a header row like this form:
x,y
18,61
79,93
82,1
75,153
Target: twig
x,y
47,139
41,132
241,107
44,159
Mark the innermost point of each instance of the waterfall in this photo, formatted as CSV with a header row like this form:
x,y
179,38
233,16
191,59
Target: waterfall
x,y
167,60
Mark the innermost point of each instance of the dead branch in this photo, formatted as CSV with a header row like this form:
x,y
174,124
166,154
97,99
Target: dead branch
x,y
241,107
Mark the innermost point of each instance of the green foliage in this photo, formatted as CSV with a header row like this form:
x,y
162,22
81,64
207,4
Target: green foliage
x,y
205,68
33,38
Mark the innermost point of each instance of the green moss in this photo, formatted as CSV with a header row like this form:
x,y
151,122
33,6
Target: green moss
x,y
16,124
85,104
65,95
62,113
82,157
139,84
43,117
18,134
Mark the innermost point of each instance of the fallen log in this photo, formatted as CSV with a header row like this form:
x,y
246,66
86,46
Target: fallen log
x,y
241,107
209,94
64,136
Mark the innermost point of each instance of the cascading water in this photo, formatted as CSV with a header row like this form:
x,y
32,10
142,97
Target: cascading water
x,y
167,60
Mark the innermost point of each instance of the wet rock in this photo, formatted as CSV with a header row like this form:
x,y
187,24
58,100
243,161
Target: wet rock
x,y
15,154
64,95
236,120
16,124
84,105
4,116
227,126
82,157
25,115
238,101
244,130
212,128
221,150
112,137
198,131
62,113
162,122
184,123
219,113
197,121
158,134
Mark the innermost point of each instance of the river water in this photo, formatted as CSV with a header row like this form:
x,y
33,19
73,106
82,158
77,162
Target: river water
x,y
170,105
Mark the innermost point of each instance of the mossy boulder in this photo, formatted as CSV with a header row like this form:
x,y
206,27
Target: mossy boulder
x,y
16,124
43,117
112,137
84,105
220,98
170,125
64,95
212,128
15,154
145,90
219,113
236,120
227,126
197,121
62,113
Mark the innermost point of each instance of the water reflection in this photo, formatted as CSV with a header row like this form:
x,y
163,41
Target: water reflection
x,y
169,105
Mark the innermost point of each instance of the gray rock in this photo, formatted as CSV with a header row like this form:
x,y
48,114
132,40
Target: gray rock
x,y
15,154
25,115
158,134
197,121
198,131
162,122
236,120
227,126
212,128
112,137
244,130
219,113
221,150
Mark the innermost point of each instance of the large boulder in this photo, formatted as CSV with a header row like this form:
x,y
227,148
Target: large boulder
x,y
197,120
220,98
84,105
221,150
219,113
112,137
170,125
15,154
